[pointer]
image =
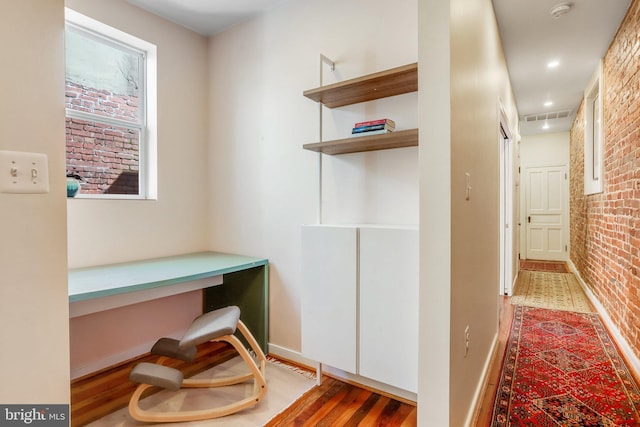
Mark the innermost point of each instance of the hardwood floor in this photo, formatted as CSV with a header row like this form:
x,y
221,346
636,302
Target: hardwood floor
x,y
485,408
334,403
99,394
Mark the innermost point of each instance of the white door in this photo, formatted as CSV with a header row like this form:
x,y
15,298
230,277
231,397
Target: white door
x,y
545,215
329,295
389,264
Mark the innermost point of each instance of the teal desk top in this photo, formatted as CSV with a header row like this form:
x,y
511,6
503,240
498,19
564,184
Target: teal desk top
x,y
105,280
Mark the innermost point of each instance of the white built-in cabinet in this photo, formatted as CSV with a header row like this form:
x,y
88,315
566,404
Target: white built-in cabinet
x,y
388,289
360,283
360,301
329,295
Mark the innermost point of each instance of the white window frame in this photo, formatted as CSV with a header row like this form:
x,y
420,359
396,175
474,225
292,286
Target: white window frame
x,y
148,157
593,135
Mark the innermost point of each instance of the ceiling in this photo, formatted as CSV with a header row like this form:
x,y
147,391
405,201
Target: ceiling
x,y
531,38
206,17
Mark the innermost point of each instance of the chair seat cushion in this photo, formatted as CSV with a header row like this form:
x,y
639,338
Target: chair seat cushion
x,y
211,325
158,375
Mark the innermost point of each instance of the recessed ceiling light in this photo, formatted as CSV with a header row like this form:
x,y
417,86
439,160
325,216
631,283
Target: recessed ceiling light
x,y
548,103
553,64
545,126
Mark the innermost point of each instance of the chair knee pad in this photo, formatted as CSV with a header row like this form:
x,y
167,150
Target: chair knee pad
x,y
170,347
157,375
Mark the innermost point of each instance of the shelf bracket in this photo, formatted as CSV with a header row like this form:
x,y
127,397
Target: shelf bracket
x,y
332,67
329,62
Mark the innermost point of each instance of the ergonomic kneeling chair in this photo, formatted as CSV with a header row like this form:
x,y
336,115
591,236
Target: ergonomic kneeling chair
x,y
217,325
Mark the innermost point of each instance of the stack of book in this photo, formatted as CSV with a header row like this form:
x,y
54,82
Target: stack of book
x,y
373,127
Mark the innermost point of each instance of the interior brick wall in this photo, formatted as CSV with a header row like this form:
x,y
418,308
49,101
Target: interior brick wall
x,y
105,156
605,227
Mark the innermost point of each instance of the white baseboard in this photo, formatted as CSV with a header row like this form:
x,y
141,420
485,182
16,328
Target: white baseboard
x,y
297,357
292,355
482,384
111,360
513,283
624,346
116,358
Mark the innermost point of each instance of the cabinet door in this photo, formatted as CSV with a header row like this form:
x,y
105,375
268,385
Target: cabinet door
x,y
329,290
389,306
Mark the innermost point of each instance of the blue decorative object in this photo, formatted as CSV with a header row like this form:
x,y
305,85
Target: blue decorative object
x,y
73,184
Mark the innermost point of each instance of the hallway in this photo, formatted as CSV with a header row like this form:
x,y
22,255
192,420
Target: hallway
x,y
555,292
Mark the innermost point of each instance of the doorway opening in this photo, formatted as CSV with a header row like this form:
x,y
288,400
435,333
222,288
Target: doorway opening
x,y
506,206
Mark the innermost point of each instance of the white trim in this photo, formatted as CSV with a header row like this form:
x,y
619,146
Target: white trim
x,y
481,388
292,355
622,343
148,167
92,117
507,198
297,357
593,185
515,278
94,26
117,358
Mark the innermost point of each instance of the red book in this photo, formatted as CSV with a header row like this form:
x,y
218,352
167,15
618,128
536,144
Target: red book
x,y
376,122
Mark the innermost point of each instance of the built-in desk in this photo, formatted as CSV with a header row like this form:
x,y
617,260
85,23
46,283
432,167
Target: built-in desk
x,y
226,279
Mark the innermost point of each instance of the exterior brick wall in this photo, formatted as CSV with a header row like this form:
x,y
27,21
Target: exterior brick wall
x,y
105,156
605,227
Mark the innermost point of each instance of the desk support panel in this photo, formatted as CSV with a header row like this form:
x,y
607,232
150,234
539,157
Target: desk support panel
x,y
249,290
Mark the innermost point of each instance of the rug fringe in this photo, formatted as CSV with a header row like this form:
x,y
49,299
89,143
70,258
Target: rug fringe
x,y
304,372
307,374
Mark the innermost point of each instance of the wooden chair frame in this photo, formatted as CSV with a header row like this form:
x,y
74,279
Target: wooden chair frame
x,y
257,373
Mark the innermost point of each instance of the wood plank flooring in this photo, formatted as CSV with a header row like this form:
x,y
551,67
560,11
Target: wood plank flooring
x,y
334,403
338,404
99,394
485,406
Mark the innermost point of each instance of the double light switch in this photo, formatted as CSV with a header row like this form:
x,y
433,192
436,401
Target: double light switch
x,y
22,172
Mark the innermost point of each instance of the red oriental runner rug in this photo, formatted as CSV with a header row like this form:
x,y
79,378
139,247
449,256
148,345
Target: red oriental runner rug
x,y
548,266
562,369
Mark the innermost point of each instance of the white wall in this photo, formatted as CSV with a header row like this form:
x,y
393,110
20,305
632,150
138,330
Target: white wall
x,y
544,149
34,361
108,231
459,237
264,186
434,79
255,183
541,150
105,338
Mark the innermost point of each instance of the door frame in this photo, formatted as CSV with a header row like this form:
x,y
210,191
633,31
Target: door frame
x,y
525,204
507,197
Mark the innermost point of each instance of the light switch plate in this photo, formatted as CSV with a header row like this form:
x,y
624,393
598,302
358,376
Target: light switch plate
x,y
22,172
467,177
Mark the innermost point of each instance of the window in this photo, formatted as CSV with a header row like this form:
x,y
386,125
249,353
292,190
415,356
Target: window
x,y
593,139
110,110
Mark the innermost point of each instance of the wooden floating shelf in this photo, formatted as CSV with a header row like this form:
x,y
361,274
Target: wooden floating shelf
x,y
395,81
385,141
